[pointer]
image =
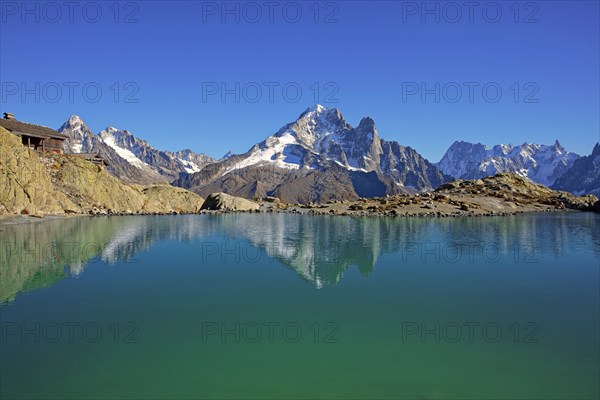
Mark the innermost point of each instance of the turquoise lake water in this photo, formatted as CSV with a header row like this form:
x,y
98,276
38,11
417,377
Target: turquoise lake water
x,y
289,306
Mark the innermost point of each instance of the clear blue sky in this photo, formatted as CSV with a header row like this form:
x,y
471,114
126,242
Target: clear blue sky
x,y
371,53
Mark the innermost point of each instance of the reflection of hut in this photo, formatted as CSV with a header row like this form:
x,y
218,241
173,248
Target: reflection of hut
x,y
92,157
35,137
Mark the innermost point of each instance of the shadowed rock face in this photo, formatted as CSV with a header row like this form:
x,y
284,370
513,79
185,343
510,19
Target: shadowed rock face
x,y
319,157
584,176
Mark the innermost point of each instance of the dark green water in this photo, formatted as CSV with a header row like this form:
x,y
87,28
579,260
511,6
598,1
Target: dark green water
x,y
287,306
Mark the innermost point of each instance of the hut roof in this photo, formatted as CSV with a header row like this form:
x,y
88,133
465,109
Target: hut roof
x,y
23,128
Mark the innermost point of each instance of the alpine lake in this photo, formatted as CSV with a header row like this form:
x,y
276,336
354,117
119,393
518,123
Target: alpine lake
x,y
296,306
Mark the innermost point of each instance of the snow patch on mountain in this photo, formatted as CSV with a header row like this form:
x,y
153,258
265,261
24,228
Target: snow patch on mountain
x,y
189,166
125,153
275,151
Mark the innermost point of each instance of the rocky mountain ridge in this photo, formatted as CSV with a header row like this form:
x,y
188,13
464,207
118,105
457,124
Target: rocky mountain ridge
x,y
129,158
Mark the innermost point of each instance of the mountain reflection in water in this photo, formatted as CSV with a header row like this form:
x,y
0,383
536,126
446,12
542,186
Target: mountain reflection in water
x,y
318,248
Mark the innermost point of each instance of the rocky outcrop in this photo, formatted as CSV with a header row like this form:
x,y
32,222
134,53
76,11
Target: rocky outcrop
x,y
164,198
25,184
225,202
41,183
515,189
503,194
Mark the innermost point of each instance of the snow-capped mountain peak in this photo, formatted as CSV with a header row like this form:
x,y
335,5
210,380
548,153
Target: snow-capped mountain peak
x,y
314,109
75,123
120,135
79,136
315,125
316,131
320,140
74,120
110,130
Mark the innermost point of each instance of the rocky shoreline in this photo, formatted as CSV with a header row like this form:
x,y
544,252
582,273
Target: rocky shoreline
x,y
501,195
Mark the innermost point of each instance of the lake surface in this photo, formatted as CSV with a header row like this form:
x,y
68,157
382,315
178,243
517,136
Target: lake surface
x,y
289,306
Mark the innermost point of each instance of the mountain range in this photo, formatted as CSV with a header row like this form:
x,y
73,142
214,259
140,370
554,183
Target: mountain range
x,y
320,157
540,163
129,158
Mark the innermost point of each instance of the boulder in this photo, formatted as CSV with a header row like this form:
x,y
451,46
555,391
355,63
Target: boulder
x,y
226,202
169,199
451,185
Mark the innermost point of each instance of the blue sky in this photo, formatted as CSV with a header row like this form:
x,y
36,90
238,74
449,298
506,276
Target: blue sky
x,y
161,68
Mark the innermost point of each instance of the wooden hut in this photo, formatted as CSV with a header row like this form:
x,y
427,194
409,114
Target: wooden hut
x,y
35,137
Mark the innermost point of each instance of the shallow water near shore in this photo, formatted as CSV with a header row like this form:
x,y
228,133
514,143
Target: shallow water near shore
x,y
299,306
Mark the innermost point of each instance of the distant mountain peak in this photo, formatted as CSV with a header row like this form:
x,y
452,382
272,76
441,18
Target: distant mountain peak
x,y
463,143
559,147
74,122
112,130
319,113
75,119
316,108
366,123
